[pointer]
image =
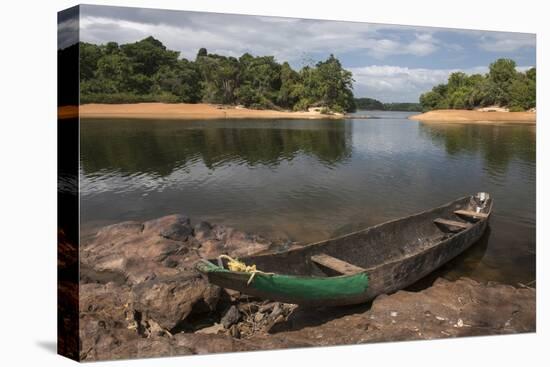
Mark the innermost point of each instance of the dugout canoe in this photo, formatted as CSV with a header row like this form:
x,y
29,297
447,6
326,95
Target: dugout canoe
x,y
357,267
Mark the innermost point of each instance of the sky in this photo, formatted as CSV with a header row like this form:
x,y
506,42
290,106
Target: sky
x,y
391,63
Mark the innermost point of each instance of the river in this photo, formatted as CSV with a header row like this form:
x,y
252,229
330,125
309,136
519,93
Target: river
x,y
307,180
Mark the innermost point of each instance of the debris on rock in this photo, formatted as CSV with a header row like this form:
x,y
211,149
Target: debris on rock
x,y
231,317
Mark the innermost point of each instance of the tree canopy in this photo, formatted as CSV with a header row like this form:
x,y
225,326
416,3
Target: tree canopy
x,y
147,71
503,85
374,104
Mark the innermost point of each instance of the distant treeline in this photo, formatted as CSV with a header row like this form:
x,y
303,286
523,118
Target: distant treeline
x,y
503,86
146,71
374,104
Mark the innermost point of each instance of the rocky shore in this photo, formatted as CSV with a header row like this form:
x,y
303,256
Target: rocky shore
x,y
140,297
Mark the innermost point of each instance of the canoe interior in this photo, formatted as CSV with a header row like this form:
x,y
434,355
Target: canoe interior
x,y
376,246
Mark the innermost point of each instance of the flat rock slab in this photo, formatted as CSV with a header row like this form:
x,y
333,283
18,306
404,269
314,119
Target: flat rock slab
x,y
447,309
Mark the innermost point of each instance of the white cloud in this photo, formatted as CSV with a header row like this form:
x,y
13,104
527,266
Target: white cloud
x,y
422,45
506,42
401,84
286,38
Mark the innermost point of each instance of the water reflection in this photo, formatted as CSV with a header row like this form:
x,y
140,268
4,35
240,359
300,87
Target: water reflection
x,y
159,147
498,144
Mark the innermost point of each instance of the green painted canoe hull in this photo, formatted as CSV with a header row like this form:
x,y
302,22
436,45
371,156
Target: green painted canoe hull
x,y
288,288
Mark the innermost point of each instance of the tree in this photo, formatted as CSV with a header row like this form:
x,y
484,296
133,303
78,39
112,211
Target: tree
x,y
329,85
289,92
182,80
369,104
502,73
523,93
219,76
202,52
430,100
456,81
111,48
503,85
531,74
479,91
147,71
435,99
259,81
148,55
116,69
89,56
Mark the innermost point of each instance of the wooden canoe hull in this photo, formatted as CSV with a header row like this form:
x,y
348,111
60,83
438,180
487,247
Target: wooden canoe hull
x,y
394,254
289,288
391,277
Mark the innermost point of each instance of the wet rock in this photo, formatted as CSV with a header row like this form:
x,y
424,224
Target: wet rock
x,y
232,316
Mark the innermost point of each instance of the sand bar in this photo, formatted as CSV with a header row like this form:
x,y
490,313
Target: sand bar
x,y
187,111
476,117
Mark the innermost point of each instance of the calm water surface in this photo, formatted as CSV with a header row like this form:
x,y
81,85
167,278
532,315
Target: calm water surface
x,y
308,180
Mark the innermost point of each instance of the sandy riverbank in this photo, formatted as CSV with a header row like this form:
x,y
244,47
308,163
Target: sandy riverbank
x,y
476,116
189,111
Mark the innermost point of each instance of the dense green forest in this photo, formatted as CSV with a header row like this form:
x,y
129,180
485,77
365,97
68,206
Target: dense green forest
x,y
146,71
374,104
368,104
503,86
402,106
